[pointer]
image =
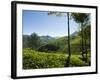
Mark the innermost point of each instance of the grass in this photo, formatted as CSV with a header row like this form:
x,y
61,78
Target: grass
x,y
76,40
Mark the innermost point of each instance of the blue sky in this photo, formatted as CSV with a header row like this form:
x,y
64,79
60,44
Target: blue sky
x,y
44,24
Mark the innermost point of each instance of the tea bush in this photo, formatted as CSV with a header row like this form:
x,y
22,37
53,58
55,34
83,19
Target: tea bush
x,y
34,59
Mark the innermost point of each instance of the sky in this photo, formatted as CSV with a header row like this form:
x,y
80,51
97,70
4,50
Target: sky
x,y
43,24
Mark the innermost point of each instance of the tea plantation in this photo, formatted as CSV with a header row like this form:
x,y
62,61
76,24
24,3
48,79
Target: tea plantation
x,y
35,60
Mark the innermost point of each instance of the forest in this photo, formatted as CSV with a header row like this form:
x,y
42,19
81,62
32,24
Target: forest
x,y
53,52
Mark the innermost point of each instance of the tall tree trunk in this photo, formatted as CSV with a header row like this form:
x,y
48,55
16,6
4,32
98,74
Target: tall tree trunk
x,y
69,56
86,52
82,41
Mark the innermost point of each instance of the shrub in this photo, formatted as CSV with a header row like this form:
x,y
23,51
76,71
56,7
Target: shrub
x,y
75,61
36,60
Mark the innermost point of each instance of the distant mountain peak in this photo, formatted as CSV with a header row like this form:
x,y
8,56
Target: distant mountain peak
x,y
74,33
46,38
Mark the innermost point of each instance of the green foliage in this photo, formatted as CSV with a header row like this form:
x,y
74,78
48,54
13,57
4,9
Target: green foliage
x,y
48,48
25,41
34,60
75,61
75,45
84,20
31,41
46,39
86,31
34,41
58,14
80,17
61,43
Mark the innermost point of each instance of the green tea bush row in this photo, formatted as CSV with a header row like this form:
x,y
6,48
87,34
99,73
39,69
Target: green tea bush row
x,y
36,60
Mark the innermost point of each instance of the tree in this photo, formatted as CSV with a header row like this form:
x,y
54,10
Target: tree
x,y
33,41
68,18
25,41
82,18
